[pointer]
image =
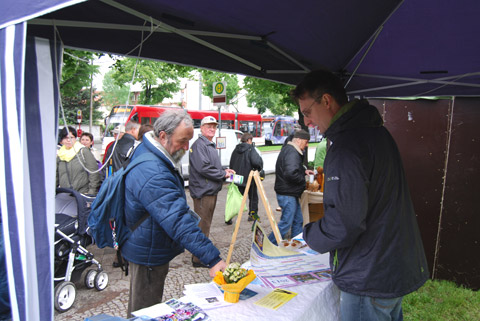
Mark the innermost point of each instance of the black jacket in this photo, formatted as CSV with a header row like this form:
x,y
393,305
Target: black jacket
x,y
122,151
245,158
289,172
369,223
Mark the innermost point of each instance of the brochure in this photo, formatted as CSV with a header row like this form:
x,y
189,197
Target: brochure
x,y
275,299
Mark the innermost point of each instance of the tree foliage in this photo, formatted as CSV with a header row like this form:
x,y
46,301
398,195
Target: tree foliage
x,y
113,94
159,80
80,101
77,73
265,94
210,77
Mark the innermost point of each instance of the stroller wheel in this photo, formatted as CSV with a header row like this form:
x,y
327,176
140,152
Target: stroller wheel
x,y
101,280
65,293
90,279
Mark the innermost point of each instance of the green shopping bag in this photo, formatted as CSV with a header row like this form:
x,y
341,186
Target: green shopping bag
x,y
234,201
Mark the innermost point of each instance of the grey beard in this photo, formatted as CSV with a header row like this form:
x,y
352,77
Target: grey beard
x,y
177,156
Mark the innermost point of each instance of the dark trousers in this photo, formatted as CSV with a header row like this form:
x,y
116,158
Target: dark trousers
x,y
252,196
204,207
146,286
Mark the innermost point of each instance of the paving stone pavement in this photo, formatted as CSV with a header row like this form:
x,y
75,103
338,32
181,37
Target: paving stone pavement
x,y
114,299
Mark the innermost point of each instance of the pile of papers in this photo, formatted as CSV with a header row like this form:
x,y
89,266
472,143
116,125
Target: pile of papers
x,y
277,267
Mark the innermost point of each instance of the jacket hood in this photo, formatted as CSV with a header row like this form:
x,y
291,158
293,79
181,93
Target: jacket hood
x,y
243,147
356,114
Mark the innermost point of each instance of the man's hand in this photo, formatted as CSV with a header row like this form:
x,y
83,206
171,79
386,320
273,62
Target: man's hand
x,y
229,172
309,172
220,266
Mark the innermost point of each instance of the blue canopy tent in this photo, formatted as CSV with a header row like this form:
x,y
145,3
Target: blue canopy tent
x,y
380,48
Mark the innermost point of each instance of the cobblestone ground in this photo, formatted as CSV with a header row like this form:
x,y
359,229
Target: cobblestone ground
x,y
114,299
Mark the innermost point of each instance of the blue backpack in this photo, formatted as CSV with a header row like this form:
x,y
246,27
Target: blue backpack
x,y
107,216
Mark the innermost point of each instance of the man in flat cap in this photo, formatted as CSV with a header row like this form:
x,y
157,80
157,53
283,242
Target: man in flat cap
x,y
290,183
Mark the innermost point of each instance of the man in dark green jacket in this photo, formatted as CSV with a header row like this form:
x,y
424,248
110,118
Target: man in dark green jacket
x,y
369,227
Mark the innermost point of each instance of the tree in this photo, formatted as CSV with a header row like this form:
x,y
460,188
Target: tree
x,y
210,77
113,94
265,94
80,101
77,73
159,80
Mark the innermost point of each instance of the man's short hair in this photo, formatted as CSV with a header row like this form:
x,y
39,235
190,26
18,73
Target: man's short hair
x,y
169,121
246,137
131,125
319,82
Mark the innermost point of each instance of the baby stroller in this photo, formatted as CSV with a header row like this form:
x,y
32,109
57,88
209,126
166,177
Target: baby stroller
x,y
71,256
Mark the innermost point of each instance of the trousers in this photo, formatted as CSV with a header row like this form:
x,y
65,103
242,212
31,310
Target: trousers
x,y
204,207
364,308
292,218
146,286
252,197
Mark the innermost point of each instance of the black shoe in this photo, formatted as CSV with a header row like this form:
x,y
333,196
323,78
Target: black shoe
x,y
198,264
116,265
229,222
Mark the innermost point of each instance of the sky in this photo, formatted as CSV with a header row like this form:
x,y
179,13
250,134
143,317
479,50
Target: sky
x,y
103,62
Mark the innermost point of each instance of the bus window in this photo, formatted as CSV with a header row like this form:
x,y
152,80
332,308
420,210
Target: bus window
x,y
197,123
249,127
227,124
135,118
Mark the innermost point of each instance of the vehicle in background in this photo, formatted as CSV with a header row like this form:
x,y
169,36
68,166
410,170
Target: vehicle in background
x,y
120,115
315,135
277,128
280,128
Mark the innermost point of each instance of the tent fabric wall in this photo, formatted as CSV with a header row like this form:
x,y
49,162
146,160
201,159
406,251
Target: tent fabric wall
x,y
439,142
28,125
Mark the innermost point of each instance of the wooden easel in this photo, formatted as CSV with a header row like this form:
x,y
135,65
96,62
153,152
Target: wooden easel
x,y
256,176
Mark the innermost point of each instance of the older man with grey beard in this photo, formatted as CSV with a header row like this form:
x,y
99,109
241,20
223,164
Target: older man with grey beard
x,y
154,189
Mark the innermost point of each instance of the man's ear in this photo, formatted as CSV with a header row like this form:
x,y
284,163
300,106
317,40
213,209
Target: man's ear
x,y
162,138
328,100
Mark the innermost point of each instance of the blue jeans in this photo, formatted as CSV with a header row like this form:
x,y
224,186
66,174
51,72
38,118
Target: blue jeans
x,y
364,308
292,217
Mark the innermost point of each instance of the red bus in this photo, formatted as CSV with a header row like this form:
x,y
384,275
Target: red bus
x,y
251,123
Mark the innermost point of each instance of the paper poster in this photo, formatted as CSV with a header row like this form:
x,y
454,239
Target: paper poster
x,y
276,299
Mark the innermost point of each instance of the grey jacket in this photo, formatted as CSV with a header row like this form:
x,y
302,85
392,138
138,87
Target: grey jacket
x,y
72,174
206,174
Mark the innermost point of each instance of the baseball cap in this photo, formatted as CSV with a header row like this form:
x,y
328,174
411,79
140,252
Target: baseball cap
x,y
119,129
208,120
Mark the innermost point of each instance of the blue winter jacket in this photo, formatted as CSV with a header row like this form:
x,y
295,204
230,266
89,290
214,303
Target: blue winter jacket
x,y
369,227
157,187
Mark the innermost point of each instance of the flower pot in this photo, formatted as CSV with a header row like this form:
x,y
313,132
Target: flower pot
x,y
232,291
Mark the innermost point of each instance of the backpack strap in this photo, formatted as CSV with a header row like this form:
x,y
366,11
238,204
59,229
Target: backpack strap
x,y
127,167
